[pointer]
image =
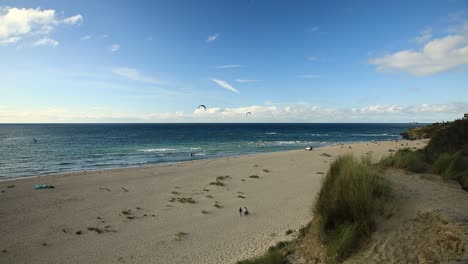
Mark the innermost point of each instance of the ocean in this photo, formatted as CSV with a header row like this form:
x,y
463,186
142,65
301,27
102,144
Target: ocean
x,y
41,149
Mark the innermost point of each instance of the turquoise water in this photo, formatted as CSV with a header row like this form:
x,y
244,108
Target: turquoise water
x,y
75,147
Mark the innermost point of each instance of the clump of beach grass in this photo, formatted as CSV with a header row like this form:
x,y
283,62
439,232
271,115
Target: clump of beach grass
x,y
181,235
95,229
407,159
254,176
217,183
266,170
273,256
352,195
222,178
289,231
217,205
205,212
325,155
186,200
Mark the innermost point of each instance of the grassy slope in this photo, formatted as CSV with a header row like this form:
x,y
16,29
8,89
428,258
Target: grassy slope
x,y
445,154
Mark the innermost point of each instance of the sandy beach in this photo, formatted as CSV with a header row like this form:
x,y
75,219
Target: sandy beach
x,y
139,215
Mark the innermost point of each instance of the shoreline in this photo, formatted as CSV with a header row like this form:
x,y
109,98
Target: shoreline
x,y
170,163
179,213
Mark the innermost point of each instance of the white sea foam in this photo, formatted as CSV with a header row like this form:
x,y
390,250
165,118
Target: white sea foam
x,y
157,150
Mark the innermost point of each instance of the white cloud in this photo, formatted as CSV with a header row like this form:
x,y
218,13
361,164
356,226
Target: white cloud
x,y
46,42
424,35
134,75
86,37
19,23
436,56
225,85
313,29
309,76
300,112
77,19
455,107
114,47
212,38
312,58
228,66
245,80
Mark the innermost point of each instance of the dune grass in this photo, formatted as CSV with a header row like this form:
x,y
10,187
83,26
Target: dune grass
x,y
445,154
352,195
407,159
217,183
273,256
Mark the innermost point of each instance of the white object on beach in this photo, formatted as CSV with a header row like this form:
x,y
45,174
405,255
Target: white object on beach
x,y
309,148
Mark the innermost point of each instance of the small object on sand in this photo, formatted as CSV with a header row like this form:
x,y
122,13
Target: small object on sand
x,y
102,188
44,186
309,148
124,189
350,147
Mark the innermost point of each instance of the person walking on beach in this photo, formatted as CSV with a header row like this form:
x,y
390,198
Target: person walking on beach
x,y
240,211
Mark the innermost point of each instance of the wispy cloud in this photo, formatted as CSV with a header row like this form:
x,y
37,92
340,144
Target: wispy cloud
x,y
312,58
225,85
310,76
228,66
77,19
114,47
245,80
212,38
300,112
438,55
86,37
424,35
134,75
17,24
313,29
46,42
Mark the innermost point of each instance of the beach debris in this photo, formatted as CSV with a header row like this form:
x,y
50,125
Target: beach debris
x,y
309,148
79,232
124,189
266,170
254,176
95,229
240,196
181,235
202,106
44,186
102,188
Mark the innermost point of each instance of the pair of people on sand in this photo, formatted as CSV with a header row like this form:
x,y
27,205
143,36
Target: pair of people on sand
x,y
243,211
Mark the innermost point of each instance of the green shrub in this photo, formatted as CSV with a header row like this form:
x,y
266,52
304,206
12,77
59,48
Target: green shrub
x,y
407,159
273,256
442,163
451,139
352,194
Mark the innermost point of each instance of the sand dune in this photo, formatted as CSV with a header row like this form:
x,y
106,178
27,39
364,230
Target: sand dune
x,y
145,215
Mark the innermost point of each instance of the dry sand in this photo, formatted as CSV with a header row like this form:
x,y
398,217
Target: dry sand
x,y
139,224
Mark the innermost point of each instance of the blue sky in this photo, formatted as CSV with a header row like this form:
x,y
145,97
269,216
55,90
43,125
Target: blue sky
x,y
283,61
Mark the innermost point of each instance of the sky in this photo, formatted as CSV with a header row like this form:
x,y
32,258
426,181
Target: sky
x,y
283,61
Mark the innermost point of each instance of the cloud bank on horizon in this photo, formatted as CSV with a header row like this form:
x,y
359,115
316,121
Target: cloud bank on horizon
x,y
68,63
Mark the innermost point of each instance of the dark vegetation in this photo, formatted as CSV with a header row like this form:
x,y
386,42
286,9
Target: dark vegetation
x,y
424,132
352,195
445,154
